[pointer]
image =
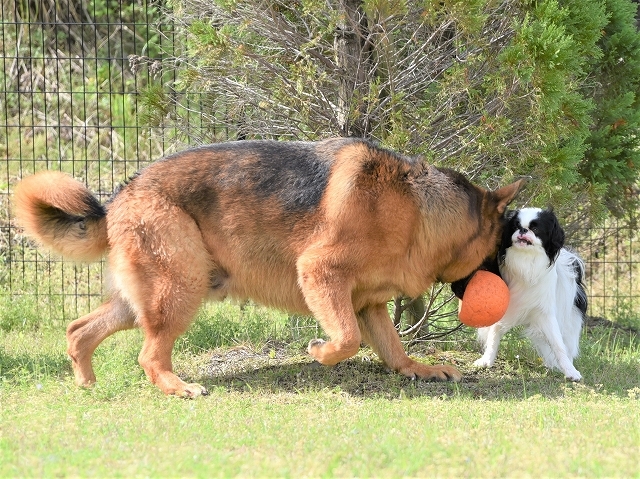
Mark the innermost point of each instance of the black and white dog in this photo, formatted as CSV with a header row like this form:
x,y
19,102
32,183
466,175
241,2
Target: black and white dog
x,y
547,294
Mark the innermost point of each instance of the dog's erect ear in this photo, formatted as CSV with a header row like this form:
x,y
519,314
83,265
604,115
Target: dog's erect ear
x,y
507,194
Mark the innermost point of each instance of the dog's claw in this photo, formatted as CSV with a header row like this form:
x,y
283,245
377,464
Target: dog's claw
x,y
431,373
315,342
192,391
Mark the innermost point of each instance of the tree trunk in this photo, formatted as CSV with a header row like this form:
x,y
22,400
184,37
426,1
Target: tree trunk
x,y
351,60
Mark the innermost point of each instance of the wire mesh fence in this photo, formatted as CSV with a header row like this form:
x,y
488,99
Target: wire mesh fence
x,y
70,93
70,103
611,252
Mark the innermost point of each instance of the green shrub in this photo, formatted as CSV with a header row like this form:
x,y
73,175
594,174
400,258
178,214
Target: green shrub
x,y
545,89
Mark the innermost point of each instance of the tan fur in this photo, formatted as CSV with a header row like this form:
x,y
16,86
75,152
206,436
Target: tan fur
x,y
53,189
191,227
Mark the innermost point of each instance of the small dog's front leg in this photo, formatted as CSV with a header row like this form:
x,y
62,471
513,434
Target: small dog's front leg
x,y
489,338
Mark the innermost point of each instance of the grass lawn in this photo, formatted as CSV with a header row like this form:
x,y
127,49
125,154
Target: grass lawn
x,y
271,412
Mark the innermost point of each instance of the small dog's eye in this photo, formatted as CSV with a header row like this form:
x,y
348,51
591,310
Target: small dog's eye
x,y
533,226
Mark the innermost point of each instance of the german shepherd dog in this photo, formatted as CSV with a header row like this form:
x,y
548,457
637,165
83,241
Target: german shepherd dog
x,y
332,228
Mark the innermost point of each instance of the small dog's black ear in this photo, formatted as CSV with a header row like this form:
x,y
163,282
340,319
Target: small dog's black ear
x,y
510,217
556,238
459,287
509,214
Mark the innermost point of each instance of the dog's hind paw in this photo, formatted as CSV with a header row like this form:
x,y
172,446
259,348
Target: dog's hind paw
x,y
172,385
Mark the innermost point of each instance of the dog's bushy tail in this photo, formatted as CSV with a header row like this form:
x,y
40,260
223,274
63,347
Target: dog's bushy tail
x,y
62,214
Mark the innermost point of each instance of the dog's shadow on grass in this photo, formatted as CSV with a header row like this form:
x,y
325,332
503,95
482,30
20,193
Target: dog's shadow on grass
x,y
244,370
276,369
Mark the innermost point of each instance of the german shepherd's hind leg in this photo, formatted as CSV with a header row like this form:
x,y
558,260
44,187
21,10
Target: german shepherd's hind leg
x,y
155,359
165,315
86,333
378,332
163,270
175,291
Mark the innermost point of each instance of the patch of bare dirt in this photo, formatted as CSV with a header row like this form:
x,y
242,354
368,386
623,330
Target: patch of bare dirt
x,y
243,358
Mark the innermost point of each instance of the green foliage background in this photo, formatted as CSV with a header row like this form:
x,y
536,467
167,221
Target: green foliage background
x,y
499,89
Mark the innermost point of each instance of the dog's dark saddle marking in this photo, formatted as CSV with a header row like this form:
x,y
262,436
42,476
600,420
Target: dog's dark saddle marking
x,y
293,172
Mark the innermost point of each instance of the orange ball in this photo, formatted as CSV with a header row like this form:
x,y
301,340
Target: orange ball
x,y
484,301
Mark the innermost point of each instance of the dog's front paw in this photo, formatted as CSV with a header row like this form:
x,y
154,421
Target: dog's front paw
x,y
573,375
314,343
331,353
193,390
483,362
441,372
315,347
